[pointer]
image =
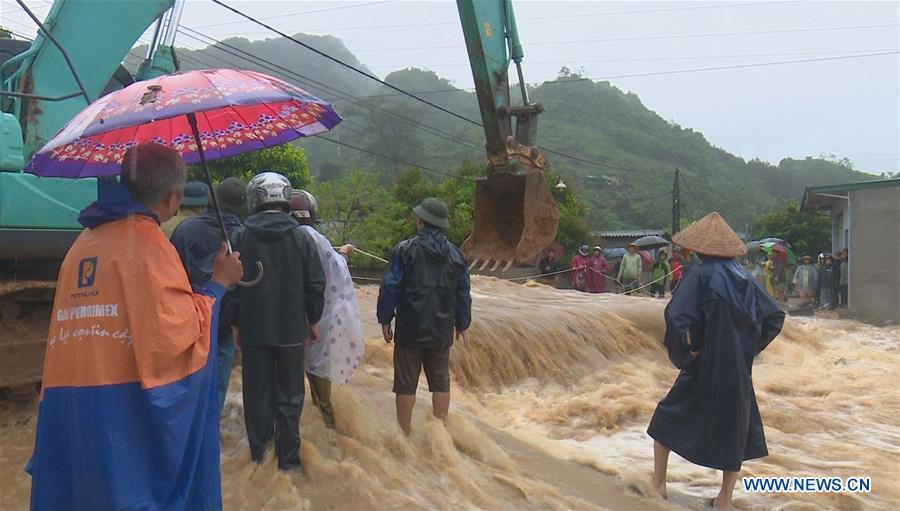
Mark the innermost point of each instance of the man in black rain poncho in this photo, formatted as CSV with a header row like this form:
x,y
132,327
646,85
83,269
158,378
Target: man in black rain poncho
x,y
716,324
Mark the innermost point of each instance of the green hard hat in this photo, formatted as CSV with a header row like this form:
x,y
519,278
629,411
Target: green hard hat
x,y
195,194
232,195
433,211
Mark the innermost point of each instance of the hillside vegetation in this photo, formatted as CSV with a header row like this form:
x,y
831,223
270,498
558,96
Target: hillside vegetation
x,y
629,151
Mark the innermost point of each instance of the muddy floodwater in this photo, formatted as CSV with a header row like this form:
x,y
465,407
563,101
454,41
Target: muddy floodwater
x,y
551,402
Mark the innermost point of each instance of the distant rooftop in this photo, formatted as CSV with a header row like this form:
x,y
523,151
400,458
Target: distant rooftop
x,y
818,197
629,233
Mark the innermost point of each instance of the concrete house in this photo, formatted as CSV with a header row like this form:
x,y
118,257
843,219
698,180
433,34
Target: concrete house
x,y
865,219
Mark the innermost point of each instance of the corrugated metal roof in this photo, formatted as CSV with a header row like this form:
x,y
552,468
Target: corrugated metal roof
x,y
817,197
629,233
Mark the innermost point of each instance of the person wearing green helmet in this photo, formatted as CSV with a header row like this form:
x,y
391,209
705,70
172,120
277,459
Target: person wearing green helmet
x,y
197,241
426,289
193,204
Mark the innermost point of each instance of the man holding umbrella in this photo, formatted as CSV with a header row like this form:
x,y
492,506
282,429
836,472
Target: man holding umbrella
x,y
130,342
128,415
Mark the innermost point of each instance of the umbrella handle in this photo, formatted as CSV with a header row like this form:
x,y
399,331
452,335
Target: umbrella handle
x,y
259,276
192,120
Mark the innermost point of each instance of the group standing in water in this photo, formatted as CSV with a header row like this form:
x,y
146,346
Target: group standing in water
x,y
144,330
142,337
592,272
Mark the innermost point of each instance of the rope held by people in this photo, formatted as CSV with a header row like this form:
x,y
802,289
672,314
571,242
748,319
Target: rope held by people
x,y
547,274
649,283
363,252
529,277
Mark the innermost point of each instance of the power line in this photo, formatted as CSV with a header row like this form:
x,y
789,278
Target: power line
x,y
269,65
395,160
606,165
659,58
344,64
733,66
289,14
272,66
655,37
257,60
523,18
461,117
342,95
584,160
690,190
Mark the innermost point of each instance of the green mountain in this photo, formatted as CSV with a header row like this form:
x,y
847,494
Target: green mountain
x,y
621,155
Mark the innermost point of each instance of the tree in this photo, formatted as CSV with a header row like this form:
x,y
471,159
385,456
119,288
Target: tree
x,y
394,134
807,233
356,209
411,187
459,195
328,170
573,227
285,159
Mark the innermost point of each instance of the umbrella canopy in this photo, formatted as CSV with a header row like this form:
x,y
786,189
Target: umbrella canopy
x,y
204,115
776,240
787,253
646,259
614,253
651,242
236,111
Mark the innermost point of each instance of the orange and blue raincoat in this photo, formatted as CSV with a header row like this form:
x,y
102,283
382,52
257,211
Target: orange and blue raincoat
x,y
128,417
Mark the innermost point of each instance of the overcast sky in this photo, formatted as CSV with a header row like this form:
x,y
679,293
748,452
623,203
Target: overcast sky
x,y
849,107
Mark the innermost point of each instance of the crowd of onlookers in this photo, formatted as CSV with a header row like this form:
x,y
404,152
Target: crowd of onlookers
x,y
821,282
635,271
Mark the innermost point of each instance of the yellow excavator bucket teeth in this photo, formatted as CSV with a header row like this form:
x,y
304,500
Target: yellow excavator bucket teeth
x,y
515,219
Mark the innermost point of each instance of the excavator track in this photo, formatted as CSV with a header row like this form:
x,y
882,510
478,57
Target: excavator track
x,y
25,308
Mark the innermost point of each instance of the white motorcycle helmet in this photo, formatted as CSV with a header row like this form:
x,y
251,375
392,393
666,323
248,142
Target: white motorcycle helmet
x,y
268,189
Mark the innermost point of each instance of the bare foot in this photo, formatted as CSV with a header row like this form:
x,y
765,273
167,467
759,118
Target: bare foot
x,y
714,503
659,489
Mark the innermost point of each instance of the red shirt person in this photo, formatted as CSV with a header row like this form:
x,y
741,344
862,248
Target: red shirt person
x,y
579,267
597,269
675,264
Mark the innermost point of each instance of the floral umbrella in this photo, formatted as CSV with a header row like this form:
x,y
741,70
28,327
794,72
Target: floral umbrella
x,y
236,111
205,115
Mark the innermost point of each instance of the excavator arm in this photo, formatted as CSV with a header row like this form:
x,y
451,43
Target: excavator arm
x,y
39,94
96,36
74,59
516,216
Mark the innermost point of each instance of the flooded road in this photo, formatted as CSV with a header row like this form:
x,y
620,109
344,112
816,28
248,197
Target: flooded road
x,y
551,401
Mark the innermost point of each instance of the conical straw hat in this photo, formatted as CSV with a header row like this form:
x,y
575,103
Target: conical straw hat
x,y
711,235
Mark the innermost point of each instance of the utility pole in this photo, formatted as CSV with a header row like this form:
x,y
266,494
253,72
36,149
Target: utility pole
x,y
676,203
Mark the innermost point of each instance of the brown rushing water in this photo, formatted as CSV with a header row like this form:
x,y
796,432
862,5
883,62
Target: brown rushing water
x,y
551,401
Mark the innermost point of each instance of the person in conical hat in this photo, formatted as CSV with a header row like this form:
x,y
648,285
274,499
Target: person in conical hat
x,y
716,324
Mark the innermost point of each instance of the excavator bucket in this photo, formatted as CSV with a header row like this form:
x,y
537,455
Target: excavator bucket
x,y
515,219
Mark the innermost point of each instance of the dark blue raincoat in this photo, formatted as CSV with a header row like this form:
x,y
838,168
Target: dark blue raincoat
x,y
710,416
